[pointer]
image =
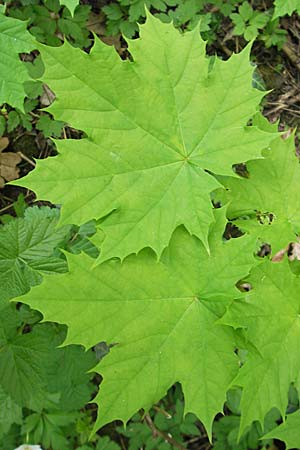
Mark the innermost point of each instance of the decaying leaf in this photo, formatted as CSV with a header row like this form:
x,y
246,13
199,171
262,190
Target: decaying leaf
x,y
8,163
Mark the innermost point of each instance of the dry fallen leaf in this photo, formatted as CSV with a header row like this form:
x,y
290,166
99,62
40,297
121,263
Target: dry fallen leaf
x,y
96,24
294,251
47,96
8,163
279,255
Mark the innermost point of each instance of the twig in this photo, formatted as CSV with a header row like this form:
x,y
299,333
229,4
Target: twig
x,y
5,208
225,49
293,56
26,158
162,411
122,443
156,432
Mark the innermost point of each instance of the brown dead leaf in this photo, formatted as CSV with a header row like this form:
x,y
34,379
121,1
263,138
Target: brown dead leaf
x,y
279,255
96,24
3,143
8,163
287,134
47,96
294,251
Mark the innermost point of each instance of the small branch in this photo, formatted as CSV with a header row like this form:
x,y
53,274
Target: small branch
x,y
291,54
5,208
26,158
162,411
156,432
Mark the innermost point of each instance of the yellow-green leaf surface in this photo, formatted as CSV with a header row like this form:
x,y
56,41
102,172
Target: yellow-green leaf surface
x,y
289,431
14,39
283,7
70,4
270,316
155,126
269,197
159,316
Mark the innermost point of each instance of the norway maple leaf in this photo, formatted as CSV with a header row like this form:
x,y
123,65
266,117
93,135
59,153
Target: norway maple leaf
x,y
14,39
287,431
161,318
270,316
283,7
156,125
70,4
269,198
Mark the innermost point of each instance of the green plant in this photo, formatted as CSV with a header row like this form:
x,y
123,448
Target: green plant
x,y
124,16
171,424
161,305
173,311
48,22
18,206
27,248
272,34
48,383
247,22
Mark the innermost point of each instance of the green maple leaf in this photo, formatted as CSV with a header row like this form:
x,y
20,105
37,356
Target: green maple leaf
x,y
70,4
27,248
283,7
156,314
287,431
14,39
155,126
270,196
271,319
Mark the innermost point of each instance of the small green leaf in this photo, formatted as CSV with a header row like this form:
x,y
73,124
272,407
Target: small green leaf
x,y
13,120
2,125
113,11
49,126
33,89
10,412
259,20
240,25
250,32
26,248
104,443
245,11
25,359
